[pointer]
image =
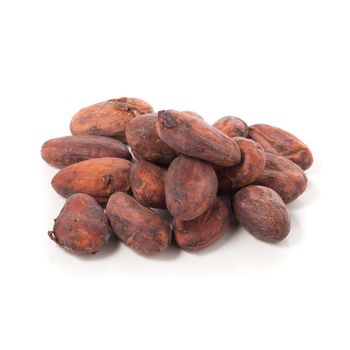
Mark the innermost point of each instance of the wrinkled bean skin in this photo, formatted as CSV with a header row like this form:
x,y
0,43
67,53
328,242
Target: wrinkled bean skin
x,y
190,187
232,126
108,118
194,137
99,177
147,183
283,176
205,230
251,167
277,141
136,225
262,213
64,151
144,141
193,114
82,226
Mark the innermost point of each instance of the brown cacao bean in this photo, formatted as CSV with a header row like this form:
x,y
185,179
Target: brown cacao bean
x,y
190,187
63,151
193,114
278,141
99,177
262,212
108,118
232,126
147,183
136,225
251,167
205,230
82,226
283,176
143,139
195,138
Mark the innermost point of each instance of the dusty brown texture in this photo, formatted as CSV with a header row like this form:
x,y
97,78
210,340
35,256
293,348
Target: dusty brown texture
x,y
190,187
283,176
262,212
144,141
277,141
251,167
99,177
136,225
82,226
205,230
108,118
63,151
193,114
195,138
232,126
147,183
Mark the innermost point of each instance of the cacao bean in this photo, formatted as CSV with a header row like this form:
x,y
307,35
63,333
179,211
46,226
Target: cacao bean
x,y
204,230
82,226
136,225
147,183
232,126
190,187
108,118
277,141
143,139
261,211
193,114
283,176
194,137
63,151
251,167
99,177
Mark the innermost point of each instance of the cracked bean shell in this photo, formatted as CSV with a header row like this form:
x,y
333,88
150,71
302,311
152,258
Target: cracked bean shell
x,y
136,225
232,126
99,177
108,118
143,139
82,226
277,141
190,187
205,230
147,183
194,137
251,167
262,212
64,151
283,176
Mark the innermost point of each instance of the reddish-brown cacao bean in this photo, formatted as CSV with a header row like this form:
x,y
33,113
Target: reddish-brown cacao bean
x,y
64,151
251,167
136,225
147,183
277,141
99,177
232,126
283,176
194,137
205,230
261,211
144,141
82,226
193,114
190,187
108,118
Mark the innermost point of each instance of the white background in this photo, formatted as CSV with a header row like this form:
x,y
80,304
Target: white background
x,y
285,63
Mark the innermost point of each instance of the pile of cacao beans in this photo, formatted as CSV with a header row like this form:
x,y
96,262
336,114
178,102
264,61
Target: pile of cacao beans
x,y
123,162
